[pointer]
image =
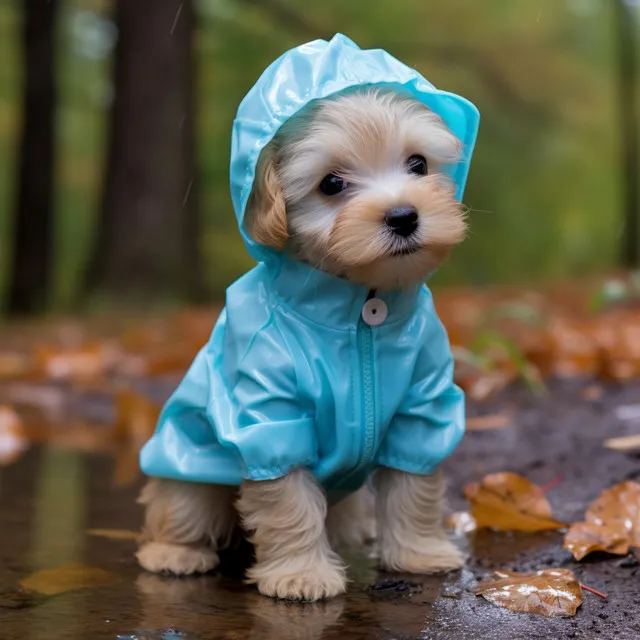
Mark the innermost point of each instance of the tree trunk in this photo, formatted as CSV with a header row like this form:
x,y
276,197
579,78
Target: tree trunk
x,y
33,225
148,232
627,36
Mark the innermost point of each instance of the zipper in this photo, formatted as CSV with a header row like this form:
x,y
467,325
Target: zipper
x,y
367,377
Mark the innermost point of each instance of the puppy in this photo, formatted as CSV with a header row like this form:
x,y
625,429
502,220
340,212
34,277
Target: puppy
x,y
352,185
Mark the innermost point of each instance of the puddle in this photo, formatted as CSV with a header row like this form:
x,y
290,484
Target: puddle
x,y
64,507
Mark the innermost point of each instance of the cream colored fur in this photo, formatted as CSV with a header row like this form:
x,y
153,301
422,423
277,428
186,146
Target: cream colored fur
x,y
185,525
411,533
286,520
352,522
366,138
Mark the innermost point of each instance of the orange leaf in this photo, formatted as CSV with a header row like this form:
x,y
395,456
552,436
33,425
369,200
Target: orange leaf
x,y
612,523
67,577
88,361
550,592
13,365
136,415
165,360
509,502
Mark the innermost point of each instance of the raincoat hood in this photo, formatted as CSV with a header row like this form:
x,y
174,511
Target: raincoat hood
x,y
318,70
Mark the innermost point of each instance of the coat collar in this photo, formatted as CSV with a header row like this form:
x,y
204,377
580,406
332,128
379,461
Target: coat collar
x,y
331,301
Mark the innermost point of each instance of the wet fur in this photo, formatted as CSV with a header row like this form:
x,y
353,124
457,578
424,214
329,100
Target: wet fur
x,y
365,137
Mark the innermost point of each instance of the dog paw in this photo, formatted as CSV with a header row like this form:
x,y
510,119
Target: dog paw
x,y
305,580
434,555
180,560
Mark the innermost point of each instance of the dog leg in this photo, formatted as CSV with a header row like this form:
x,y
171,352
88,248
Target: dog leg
x,y
352,521
411,533
185,524
286,518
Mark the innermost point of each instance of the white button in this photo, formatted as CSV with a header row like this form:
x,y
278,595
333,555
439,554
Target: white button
x,y
374,312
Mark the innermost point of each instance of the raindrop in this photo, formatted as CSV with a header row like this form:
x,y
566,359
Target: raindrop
x,y
175,21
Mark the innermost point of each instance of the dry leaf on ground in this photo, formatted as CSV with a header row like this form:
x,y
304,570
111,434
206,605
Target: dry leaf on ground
x,y
136,415
489,422
623,443
13,365
612,523
550,592
114,534
89,361
509,502
67,577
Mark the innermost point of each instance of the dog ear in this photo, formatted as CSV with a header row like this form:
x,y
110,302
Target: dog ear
x,y
266,219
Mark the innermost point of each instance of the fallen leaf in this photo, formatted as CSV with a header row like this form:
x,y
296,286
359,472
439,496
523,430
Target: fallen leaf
x,y
461,522
67,577
13,365
550,592
612,523
136,415
126,469
90,360
114,534
623,443
486,423
482,385
509,502
575,353
167,360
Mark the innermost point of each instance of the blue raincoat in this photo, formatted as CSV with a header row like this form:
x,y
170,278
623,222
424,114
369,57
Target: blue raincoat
x,y
293,375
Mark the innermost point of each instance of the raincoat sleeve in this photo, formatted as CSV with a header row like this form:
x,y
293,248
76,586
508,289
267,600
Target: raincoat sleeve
x,y
273,431
431,419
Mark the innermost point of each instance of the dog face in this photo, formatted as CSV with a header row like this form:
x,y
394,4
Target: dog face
x,y
354,186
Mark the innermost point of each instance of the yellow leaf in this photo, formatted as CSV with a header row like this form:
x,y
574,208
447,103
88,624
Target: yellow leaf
x,y
509,502
67,577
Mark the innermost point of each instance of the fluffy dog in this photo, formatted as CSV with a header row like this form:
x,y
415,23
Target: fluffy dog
x,y
352,186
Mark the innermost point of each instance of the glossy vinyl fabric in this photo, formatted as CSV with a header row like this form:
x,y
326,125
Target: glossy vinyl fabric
x,y
292,375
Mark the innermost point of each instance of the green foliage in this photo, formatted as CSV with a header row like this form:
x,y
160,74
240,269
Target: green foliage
x,y
543,189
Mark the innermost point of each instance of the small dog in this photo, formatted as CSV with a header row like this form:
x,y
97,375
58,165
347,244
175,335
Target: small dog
x,y
352,186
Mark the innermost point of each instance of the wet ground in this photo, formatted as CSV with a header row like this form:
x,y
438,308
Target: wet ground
x,y
53,496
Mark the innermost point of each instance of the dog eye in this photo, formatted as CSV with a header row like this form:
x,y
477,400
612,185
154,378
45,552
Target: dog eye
x,y
332,185
417,165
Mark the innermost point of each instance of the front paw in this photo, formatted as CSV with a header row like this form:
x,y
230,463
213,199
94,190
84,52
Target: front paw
x,y
432,555
178,559
302,578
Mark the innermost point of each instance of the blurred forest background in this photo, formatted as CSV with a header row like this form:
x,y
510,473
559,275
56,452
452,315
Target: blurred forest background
x,y
115,121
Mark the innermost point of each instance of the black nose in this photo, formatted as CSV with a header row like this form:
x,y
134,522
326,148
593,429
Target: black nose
x,y
403,221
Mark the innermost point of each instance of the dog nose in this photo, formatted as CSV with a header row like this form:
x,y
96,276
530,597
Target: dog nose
x,y
403,221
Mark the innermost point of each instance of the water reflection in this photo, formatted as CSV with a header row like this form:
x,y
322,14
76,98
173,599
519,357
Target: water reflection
x,y
292,621
232,611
